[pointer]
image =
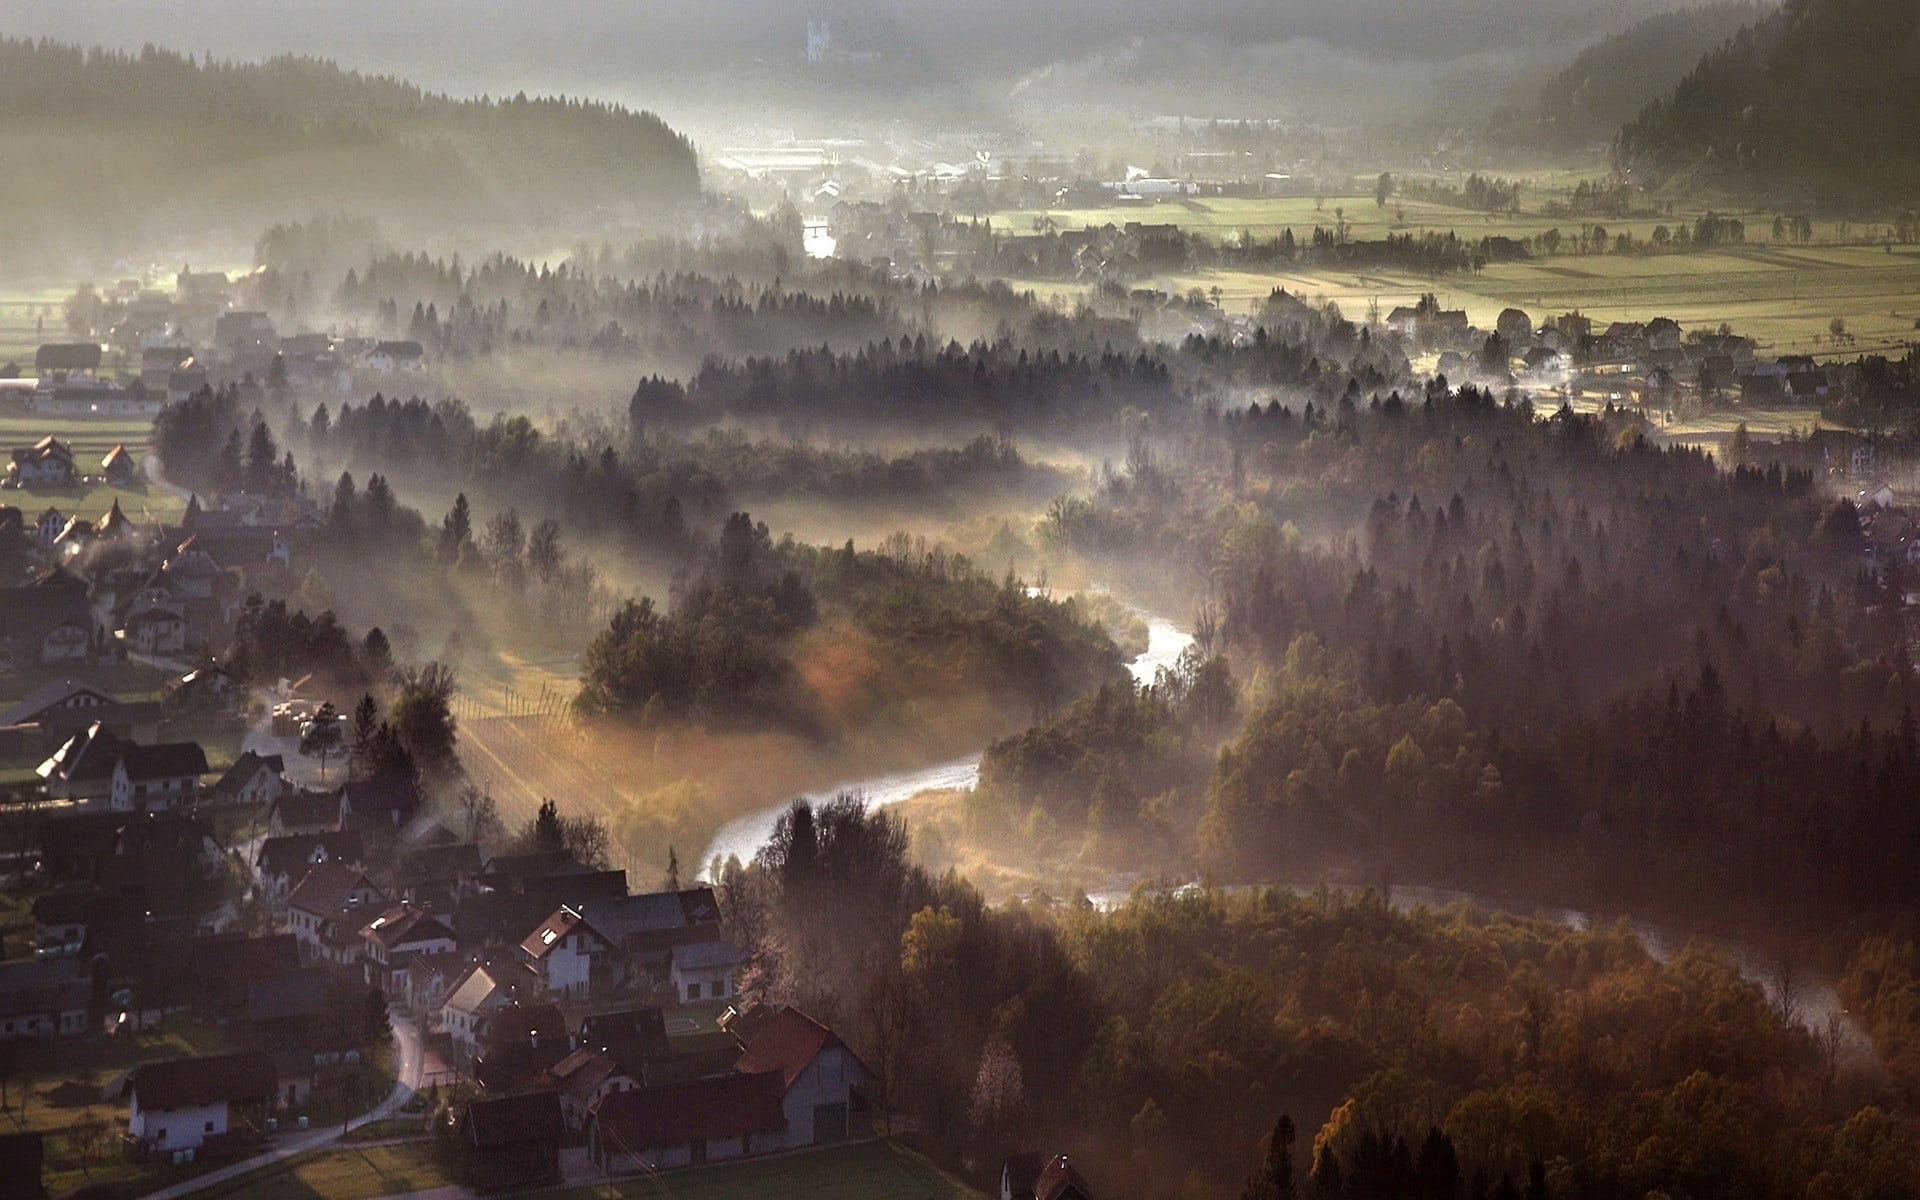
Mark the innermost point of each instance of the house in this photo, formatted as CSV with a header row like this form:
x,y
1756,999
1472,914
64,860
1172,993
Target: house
x,y
284,861
703,971
1875,495
1404,320
44,998
56,699
469,1006
201,689
1058,1180
156,777
65,360
42,626
225,968
584,1078
328,908
573,959
378,803
303,811
22,1156
252,779
700,1120
446,871
46,463
60,919
288,1008
91,765
643,929
400,931
519,1044
822,1082
388,357
158,363
512,1142
155,626
242,333
47,527
632,1037
188,1103
118,466
1018,1174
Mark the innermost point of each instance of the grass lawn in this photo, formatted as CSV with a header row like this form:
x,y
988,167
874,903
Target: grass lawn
x,y
341,1173
139,500
868,1171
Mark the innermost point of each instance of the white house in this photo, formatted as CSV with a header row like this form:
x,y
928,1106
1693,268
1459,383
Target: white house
x,y
464,1015
388,357
46,463
822,1081
156,777
181,1104
253,779
703,971
569,954
327,910
390,938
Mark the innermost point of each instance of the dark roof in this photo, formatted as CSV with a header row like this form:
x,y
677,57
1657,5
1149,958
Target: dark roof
x,y
28,614
89,754
627,918
789,1042
295,995
327,888
1059,1181
512,1120
400,349
35,704
160,834
169,760
243,769
1018,1174
429,863
364,797
527,1023
67,356
623,1033
403,923
726,1106
533,864
293,854
63,908
308,808
186,1082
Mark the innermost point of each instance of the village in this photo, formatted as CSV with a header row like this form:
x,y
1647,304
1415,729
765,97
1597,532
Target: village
x,y
341,954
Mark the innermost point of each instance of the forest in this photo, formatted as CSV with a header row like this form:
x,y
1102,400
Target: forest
x,y
198,130
1794,105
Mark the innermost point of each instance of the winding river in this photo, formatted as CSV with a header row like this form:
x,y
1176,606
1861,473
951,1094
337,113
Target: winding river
x,y
1816,999
745,835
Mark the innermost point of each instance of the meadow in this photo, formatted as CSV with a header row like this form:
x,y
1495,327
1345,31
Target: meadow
x,y
1785,296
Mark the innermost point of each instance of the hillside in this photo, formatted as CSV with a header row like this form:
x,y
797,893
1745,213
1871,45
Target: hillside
x,y
110,153
1609,82
1812,103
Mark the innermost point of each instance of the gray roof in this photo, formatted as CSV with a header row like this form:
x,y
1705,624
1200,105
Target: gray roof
x,y
697,956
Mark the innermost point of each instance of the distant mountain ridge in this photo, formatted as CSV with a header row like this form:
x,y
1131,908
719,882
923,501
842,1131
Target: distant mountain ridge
x,y
1611,81
1814,102
114,152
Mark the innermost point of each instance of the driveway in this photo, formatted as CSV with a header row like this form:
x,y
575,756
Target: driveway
x,y
409,1055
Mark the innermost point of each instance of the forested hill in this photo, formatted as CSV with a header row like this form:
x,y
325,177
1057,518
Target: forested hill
x,y
110,152
1815,101
1609,82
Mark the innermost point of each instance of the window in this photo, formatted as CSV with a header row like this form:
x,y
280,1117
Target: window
x,y
693,991
209,1128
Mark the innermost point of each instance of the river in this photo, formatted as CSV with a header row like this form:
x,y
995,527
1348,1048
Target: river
x,y
1816,998
745,835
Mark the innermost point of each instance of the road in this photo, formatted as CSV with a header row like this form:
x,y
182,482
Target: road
x,y
150,467
409,1056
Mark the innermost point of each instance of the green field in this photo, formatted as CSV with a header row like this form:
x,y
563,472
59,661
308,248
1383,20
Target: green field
x,y
867,1171
90,440
1783,296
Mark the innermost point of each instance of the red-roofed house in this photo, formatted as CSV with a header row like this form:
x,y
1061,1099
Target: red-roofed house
x,y
570,955
393,936
821,1080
